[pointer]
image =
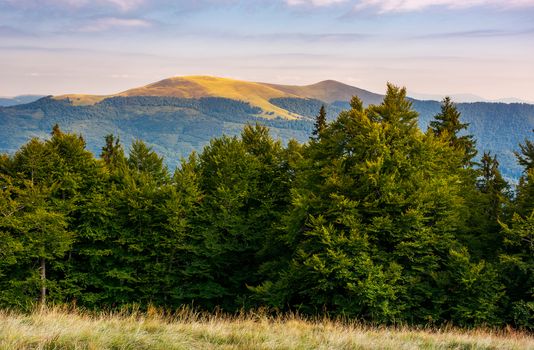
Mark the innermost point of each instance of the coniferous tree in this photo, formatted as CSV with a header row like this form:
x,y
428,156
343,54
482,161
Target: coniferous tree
x,y
112,153
487,207
493,185
517,262
447,124
56,131
517,270
524,202
525,158
320,123
356,104
144,160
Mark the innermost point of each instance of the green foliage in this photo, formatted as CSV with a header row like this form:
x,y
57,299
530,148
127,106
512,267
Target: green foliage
x,y
524,203
517,264
447,124
376,208
175,127
525,158
320,123
371,219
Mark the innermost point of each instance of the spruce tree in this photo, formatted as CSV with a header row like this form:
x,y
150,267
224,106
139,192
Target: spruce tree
x,y
517,257
487,205
112,152
320,123
143,159
447,124
525,157
524,202
493,186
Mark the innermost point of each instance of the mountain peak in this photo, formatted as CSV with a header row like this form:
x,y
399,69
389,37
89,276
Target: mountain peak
x,y
330,91
256,93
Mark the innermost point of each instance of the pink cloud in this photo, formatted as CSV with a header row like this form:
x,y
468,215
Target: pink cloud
x,y
122,5
317,3
107,23
384,6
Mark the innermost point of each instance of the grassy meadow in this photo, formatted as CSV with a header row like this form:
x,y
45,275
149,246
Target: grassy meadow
x,y
58,328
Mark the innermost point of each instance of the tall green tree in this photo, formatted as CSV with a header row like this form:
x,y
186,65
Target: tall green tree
x,y
524,202
517,269
320,123
525,157
447,124
376,208
492,184
517,262
245,190
37,222
488,205
112,153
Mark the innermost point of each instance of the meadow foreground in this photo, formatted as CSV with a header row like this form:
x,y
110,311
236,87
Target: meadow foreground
x,y
60,329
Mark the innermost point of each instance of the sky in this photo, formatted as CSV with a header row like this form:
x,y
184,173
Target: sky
x,y
481,47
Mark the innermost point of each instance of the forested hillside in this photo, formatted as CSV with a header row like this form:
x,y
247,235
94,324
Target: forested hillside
x,y
175,127
370,218
497,127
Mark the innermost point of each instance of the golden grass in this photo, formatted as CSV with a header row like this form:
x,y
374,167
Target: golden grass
x,y
81,99
257,94
59,328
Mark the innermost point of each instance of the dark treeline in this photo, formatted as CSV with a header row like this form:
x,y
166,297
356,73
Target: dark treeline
x,y
371,219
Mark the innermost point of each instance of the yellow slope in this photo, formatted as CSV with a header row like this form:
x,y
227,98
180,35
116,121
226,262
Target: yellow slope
x,y
257,94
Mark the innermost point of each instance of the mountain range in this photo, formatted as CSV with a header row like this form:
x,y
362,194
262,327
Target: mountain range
x,y
17,100
181,114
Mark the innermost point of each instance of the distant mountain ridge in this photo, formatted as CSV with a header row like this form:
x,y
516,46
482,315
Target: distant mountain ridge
x,y
181,114
330,91
17,100
466,98
256,93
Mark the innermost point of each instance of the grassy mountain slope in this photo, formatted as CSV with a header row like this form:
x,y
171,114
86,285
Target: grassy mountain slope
x,y
330,91
257,94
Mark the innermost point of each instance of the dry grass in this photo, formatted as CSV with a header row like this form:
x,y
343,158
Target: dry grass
x,y
257,94
59,328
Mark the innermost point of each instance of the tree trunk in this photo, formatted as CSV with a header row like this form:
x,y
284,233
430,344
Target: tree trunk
x,y
42,298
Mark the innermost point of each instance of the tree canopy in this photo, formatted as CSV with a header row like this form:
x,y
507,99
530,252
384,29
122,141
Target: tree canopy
x,y
371,219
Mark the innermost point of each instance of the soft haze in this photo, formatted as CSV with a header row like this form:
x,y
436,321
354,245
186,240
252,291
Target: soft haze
x,y
434,47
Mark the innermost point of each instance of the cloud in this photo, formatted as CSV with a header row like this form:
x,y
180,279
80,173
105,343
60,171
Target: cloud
x,y
122,5
385,6
120,76
300,37
107,23
482,33
8,31
317,3
477,34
